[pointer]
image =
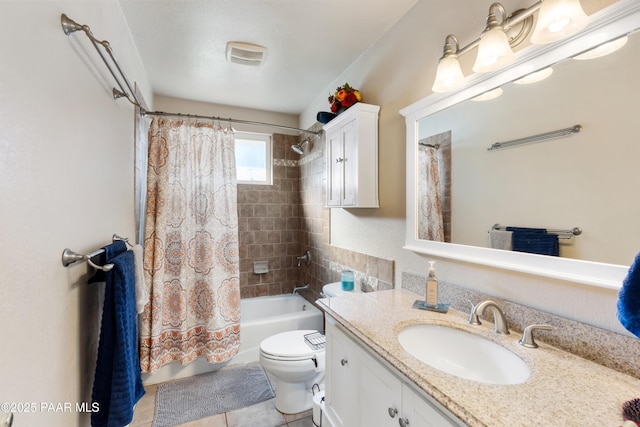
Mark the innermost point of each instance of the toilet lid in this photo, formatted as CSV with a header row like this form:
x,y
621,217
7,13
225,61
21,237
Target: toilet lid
x,y
288,345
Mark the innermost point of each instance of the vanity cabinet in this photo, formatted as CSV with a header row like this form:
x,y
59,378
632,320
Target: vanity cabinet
x,y
352,158
362,391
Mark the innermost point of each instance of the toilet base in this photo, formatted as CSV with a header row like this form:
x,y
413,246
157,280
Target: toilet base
x,y
293,398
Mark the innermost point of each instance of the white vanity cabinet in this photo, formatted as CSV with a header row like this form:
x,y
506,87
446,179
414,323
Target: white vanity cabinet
x,y
362,391
352,158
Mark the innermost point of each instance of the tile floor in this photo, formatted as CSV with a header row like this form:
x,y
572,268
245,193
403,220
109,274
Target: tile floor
x,y
262,414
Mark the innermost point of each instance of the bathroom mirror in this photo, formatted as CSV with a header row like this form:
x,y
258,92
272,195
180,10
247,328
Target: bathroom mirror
x,y
553,184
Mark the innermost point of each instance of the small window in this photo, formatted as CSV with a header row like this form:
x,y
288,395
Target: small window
x,y
253,158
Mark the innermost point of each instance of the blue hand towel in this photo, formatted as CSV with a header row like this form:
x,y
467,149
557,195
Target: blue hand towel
x,y
526,230
629,299
110,251
534,241
117,384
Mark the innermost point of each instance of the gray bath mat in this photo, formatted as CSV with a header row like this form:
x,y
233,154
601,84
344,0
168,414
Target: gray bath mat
x,y
201,396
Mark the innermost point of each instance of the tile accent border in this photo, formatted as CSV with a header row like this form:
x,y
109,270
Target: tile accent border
x,y
607,348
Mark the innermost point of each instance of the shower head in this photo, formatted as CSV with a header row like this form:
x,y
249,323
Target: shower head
x,y
298,147
69,25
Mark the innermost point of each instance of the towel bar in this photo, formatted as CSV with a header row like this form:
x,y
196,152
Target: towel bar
x,y
562,234
69,257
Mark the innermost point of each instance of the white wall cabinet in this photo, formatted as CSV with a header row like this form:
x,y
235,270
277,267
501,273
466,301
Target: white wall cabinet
x,y
362,391
352,158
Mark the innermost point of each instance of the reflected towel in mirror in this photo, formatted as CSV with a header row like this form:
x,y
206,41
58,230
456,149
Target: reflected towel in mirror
x,y
500,239
534,241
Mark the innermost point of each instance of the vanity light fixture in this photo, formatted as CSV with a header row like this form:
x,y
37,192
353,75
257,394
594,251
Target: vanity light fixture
x,y
494,50
556,19
449,74
536,76
486,96
604,49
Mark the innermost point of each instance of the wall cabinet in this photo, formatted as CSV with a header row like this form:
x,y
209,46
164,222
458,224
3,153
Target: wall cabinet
x,y
352,158
362,391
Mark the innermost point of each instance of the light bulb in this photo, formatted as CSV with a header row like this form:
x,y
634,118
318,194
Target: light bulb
x,y
449,75
494,51
558,19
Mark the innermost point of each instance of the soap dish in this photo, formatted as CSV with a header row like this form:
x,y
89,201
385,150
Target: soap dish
x,y
422,305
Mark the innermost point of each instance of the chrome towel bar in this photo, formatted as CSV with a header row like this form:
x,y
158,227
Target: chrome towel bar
x,y
562,234
69,257
537,138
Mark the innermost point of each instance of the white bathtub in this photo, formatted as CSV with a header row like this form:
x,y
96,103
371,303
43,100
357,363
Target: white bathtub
x,y
260,318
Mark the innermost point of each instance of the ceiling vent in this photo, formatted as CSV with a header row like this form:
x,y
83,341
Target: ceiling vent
x,y
246,53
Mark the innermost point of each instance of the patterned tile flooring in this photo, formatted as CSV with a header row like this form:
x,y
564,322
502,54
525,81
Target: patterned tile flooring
x,y
262,414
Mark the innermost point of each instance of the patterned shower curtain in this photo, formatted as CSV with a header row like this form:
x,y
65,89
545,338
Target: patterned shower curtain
x,y
430,222
191,260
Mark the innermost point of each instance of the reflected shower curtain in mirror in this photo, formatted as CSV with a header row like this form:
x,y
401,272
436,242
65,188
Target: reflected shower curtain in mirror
x,y
430,221
191,259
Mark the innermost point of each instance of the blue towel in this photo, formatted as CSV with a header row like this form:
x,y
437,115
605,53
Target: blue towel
x,y
110,251
526,230
117,384
537,241
629,299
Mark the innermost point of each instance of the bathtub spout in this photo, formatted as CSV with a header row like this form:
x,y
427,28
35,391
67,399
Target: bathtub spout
x,y
301,288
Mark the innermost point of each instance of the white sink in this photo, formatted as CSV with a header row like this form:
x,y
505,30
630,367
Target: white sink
x,y
463,354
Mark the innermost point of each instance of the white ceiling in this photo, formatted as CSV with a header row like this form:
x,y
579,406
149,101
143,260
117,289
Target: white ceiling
x,y
310,43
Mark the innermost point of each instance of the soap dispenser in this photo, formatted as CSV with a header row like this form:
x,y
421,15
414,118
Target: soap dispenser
x,y
432,286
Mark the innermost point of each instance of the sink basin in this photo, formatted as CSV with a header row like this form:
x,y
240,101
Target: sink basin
x,y
463,354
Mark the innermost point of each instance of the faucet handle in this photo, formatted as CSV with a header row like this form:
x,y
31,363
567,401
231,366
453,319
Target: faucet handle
x,y
527,336
473,316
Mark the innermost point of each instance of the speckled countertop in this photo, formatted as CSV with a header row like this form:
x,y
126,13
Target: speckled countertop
x,y
562,390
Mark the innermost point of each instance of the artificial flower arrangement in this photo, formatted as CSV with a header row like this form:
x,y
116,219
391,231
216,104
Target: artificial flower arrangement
x,y
344,97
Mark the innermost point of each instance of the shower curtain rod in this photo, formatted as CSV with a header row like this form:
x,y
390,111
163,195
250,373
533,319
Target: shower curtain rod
x,y
230,120
126,91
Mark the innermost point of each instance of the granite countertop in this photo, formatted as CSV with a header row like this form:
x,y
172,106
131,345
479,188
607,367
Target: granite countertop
x,y
562,390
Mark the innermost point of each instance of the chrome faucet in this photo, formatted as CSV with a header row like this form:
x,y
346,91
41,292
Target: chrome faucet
x,y
306,258
499,321
301,288
527,335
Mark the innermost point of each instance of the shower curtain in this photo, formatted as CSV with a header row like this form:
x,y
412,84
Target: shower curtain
x,y
430,221
191,259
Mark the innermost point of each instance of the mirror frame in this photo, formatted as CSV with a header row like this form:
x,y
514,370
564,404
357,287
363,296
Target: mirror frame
x,y
617,20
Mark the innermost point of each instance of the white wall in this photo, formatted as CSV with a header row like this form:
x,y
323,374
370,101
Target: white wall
x,y
396,72
66,180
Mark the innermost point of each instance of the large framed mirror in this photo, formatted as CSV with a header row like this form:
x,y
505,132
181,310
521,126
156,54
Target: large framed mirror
x,y
586,181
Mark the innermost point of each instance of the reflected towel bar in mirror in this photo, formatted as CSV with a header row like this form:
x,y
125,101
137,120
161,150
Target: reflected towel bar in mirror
x,y
537,138
562,234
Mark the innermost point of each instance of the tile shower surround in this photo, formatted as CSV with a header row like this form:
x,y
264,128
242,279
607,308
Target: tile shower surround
x,y
613,350
279,222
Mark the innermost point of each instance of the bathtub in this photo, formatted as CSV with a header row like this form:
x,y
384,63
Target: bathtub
x,y
260,318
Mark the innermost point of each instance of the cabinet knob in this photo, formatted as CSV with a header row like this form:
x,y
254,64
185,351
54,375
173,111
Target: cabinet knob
x,y
339,160
393,412
343,362
404,422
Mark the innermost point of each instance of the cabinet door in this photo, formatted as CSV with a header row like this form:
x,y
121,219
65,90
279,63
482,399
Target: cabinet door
x,y
420,413
334,167
379,394
341,378
350,165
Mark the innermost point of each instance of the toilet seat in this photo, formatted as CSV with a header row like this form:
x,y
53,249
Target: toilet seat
x,y
289,345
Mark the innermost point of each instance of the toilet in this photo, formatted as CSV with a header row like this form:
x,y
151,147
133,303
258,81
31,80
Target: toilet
x,y
296,365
